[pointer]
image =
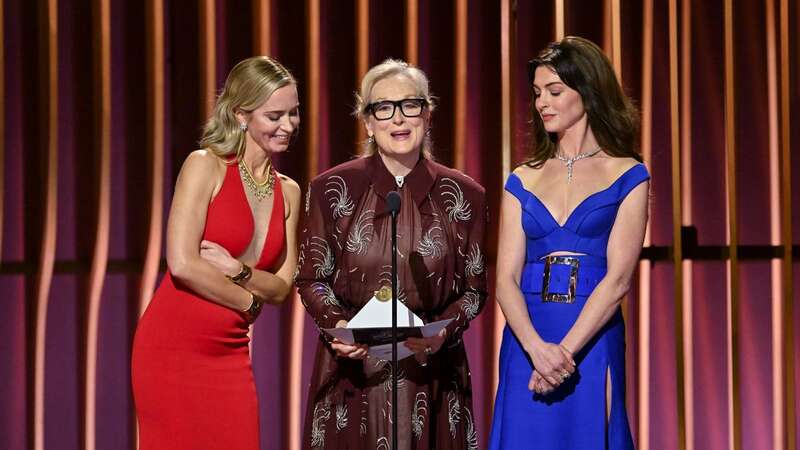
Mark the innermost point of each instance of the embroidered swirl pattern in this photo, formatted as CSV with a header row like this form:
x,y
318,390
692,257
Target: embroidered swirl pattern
x,y
308,199
338,197
322,412
360,234
471,305
472,434
418,416
341,417
382,443
474,264
430,244
387,377
322,256
453,412
457,207
324,291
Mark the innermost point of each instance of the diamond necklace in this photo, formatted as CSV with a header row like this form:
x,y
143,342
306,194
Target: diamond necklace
x,y
259,190
570,161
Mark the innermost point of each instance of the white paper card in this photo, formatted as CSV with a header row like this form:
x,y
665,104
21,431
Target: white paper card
x,y
374,320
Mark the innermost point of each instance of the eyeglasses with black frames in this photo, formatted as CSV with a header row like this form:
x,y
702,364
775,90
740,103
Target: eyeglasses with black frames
x,y
410,107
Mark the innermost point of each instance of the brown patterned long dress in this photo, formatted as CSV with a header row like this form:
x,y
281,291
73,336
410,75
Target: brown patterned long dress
x,y
345,257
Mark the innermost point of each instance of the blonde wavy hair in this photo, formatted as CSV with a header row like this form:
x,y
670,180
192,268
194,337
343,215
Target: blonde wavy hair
x,y
249,84
388,68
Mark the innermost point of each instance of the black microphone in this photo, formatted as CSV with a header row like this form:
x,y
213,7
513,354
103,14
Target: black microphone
x,y
393,207
393,203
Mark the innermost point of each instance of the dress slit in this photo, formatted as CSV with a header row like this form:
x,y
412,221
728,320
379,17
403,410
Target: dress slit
x,y
609,394
609,391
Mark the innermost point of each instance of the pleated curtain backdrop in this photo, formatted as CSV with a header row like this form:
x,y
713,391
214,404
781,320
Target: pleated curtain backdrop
x,y
101,100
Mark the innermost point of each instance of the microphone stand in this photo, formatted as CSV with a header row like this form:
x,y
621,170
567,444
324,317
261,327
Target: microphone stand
x,y
393,201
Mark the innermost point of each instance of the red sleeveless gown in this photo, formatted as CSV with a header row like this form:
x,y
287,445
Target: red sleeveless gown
x,y
191,373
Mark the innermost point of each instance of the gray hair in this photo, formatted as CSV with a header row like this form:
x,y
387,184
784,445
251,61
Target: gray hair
x,y
388,68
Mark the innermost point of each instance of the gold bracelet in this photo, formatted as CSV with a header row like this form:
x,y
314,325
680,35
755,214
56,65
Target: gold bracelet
x,y
254,309
243,275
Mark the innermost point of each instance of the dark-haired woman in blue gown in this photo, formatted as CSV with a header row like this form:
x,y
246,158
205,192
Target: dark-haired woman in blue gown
x,y
573,221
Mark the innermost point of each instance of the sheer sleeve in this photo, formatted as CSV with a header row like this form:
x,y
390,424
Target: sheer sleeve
x,y
317,264
470,260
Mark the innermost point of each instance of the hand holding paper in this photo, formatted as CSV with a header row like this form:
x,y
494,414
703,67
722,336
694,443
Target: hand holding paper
x,y
352,351
372,326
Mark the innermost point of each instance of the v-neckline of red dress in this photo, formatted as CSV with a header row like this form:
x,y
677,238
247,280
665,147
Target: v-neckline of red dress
x,y
277,211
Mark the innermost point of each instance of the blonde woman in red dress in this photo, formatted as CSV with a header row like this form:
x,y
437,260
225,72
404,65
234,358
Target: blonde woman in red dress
x,y
230,250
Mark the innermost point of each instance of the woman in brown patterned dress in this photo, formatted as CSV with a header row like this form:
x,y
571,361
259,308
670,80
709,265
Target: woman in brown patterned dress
x,y
345,257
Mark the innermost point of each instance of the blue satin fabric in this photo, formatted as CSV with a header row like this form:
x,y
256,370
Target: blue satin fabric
x,y
573,417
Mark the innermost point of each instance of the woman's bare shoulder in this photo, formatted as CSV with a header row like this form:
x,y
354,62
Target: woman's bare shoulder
x,y
620,165
530,174
288,184
291,193
203,170
203,162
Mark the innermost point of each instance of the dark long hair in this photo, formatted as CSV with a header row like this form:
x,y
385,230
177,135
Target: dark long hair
x,y
584,67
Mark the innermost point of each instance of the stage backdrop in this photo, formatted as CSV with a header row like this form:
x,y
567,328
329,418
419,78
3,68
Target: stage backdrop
x,y
103,99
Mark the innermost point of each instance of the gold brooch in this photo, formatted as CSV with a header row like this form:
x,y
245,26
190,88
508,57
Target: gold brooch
x,y
384,294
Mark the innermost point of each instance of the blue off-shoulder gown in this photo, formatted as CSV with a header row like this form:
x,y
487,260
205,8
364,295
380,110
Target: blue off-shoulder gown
x,y
573,417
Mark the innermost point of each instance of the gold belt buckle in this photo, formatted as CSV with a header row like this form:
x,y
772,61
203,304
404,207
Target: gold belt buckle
x,y
569,297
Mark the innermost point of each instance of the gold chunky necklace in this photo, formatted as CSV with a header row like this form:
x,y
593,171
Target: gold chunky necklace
x,y
259,190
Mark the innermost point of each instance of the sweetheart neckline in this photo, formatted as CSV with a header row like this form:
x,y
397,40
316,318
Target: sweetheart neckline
x,y
581,203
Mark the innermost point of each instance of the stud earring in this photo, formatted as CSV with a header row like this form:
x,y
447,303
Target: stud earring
x,y
243,126
371,140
